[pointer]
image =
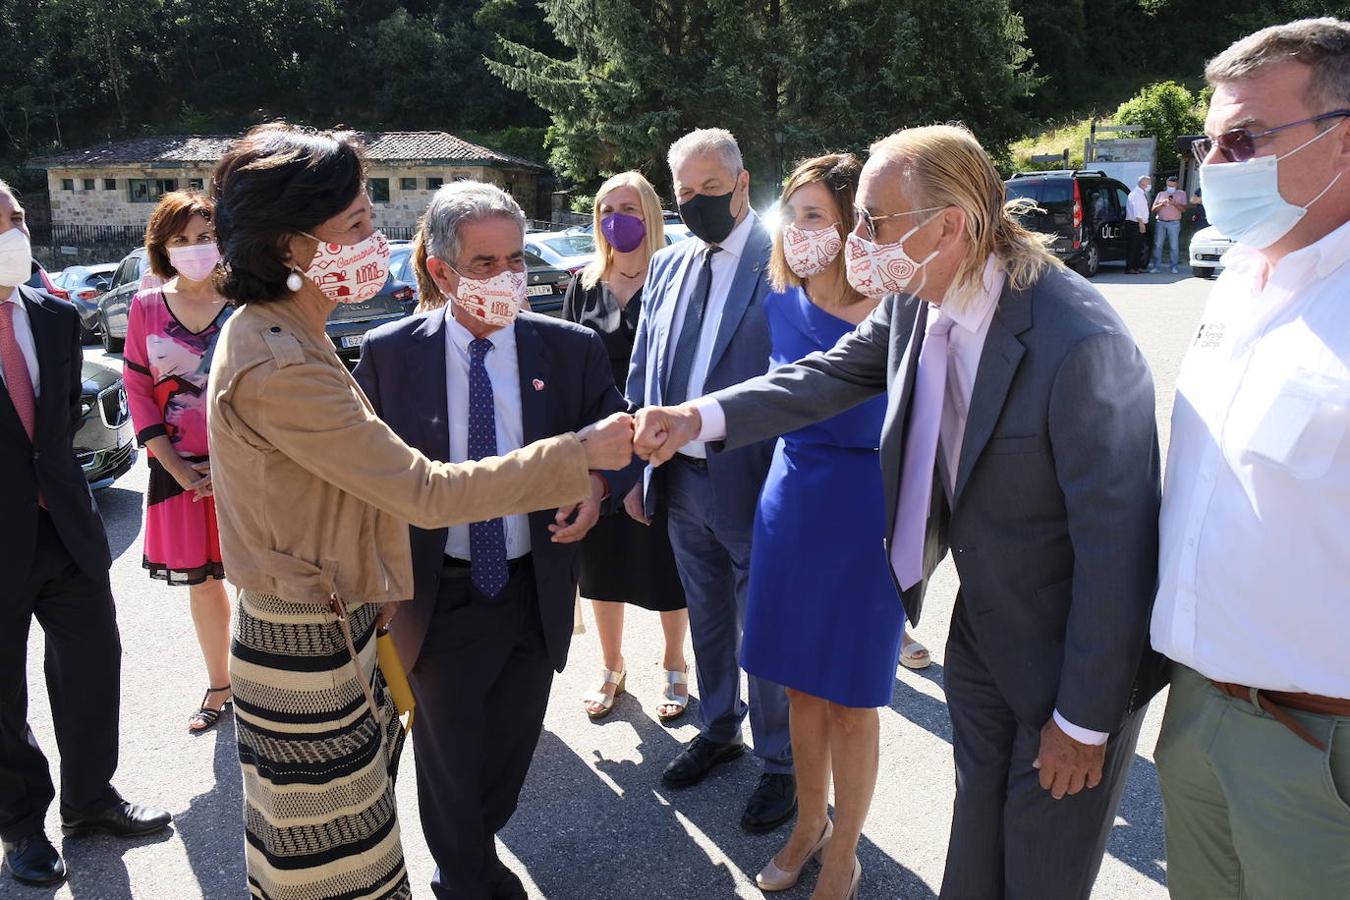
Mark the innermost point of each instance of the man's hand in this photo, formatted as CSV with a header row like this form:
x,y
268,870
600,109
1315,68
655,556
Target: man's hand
x,y
385,616
587,514
1143,227
1067,766
608,443
632,504
662,430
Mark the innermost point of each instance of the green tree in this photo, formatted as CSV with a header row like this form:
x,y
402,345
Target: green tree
x,y
1167,111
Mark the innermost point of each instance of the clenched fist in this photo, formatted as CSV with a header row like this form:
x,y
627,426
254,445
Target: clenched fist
x,y
662,430
608,443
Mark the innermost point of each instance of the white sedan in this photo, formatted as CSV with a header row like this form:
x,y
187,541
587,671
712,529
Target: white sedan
x,y
1207,249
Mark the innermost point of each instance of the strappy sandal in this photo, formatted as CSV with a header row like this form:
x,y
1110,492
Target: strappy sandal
x,y
670,698
206,715
914,655
603,700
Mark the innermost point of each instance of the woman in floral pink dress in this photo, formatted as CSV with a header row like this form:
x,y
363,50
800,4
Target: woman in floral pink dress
x,y
171,334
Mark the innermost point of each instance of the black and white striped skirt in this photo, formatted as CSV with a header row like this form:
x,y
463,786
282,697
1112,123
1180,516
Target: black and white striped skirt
x,y
319,809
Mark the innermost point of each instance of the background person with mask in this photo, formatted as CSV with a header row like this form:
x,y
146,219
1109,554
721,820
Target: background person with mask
x,y
314,495
1136,229
171,337
1168,207
55,557
1254,754
491,614
1020,433
702,328
627,559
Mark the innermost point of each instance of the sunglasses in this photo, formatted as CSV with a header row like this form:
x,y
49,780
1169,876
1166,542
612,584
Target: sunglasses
x,y
1239,145
867,221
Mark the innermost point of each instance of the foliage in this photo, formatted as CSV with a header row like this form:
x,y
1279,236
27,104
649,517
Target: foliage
x,y
1167,111
1070,135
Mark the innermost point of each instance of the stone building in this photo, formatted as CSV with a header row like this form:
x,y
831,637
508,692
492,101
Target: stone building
x,y
103,192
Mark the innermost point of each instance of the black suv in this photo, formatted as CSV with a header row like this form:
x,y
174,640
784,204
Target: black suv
x,y
1084,210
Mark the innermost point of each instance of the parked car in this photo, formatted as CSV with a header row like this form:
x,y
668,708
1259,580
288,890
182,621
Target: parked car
x,y
1208,246
1084,210
347,326
105,442
571,251
85,284
41,281
546,286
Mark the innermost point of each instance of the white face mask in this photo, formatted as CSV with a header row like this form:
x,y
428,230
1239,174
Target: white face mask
x,y
876,270
350,273
810,252
492,301
16,258
1243,199
195,262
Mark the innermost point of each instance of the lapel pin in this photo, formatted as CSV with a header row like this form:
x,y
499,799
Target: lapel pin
x,y
538,384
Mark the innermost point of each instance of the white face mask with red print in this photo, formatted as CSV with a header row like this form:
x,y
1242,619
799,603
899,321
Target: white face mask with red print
x,y
350,273
493,301
876,270
810,252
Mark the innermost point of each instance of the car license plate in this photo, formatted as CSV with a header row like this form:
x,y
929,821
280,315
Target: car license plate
x,y
539,290
352,340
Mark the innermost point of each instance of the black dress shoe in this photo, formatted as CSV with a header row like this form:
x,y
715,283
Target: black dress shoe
x,y
120,820
773,803
506,885
699,757
33,860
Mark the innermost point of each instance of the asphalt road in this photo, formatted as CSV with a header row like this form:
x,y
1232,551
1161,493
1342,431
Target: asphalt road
x,y
594,820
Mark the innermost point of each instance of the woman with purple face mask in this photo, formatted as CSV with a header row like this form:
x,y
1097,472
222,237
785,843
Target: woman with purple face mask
x,y
627,558
171,336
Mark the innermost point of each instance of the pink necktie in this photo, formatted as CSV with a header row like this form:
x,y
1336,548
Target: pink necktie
x,y
18,380
916,469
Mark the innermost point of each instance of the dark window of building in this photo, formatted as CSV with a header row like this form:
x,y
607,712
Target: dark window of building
x,y
434,184
407,184
196,184
149,190
379,190
110,184
67,184
89,184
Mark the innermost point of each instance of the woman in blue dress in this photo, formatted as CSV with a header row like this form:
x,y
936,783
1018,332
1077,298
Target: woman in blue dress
x,y
823,618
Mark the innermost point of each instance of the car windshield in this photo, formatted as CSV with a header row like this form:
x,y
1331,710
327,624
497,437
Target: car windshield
x,y
533,262
1024,189
569,244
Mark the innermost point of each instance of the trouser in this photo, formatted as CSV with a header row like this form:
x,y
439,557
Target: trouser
x,y
84,672
714,564
1010,839
481,682
1252,811
1134,246
1170,232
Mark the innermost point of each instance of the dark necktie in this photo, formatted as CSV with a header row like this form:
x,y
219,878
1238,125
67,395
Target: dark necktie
x,y
682,363
487,540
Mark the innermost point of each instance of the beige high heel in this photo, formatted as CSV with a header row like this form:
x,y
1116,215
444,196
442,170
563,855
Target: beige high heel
x,y
857,879
774,878
603,700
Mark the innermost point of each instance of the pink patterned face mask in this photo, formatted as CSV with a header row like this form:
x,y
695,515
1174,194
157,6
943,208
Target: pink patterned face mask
x,y
810,252
350,273
493,301
876,270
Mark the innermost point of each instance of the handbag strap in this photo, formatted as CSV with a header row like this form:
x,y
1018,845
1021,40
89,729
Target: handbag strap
x,y
339,609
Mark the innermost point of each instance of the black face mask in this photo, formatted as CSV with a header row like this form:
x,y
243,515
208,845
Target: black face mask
x,y
709,218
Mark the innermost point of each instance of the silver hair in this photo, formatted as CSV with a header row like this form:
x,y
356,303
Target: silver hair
x,y
706,141
460,202
1142,179
1321,44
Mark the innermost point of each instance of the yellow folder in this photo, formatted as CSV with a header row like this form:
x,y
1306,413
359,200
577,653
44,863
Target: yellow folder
x,y
395,678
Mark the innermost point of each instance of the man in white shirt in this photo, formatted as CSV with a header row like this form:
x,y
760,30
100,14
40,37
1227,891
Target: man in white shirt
x,y
1254,755
1136,214
702,328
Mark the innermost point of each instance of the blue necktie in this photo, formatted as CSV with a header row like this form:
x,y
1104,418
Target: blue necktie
x,y
487,540
682,363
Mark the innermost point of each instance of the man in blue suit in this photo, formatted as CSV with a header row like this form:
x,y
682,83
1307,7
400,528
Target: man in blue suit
x,y
703,328
491,616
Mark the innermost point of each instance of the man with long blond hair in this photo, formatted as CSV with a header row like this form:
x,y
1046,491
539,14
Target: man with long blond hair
x,y
1021,436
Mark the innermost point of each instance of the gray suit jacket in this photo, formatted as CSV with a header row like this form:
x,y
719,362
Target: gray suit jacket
x,y
1053,521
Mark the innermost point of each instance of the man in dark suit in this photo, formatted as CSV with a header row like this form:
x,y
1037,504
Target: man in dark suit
x,y
493,612
55,557
703,328
1021,435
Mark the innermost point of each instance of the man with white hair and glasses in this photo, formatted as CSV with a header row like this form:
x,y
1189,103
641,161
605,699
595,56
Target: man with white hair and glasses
x,y
1254,755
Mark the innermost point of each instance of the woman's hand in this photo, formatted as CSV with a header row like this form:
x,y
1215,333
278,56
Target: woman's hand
x,y
190,476
386,616
632,504
204,488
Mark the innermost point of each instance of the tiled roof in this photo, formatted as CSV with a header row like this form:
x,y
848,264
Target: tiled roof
x,y
381,147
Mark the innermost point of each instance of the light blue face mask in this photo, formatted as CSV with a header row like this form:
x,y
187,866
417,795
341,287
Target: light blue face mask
x,y
1243,200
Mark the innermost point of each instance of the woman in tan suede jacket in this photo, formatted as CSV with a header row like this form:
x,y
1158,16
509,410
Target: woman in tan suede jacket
x,y
314,495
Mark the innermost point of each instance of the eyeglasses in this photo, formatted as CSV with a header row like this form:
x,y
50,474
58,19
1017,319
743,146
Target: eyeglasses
x,y
1239,145
867,221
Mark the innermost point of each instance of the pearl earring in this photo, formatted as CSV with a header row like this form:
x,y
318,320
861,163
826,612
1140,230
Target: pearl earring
x,y
293,281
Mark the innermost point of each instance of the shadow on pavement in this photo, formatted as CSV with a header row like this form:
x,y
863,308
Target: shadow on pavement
x,y
121,512
1118,276
212,826
95,866
569,831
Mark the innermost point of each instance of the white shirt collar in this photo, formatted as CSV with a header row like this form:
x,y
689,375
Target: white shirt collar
x,y
1326,255
503,339
734,245
979,302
